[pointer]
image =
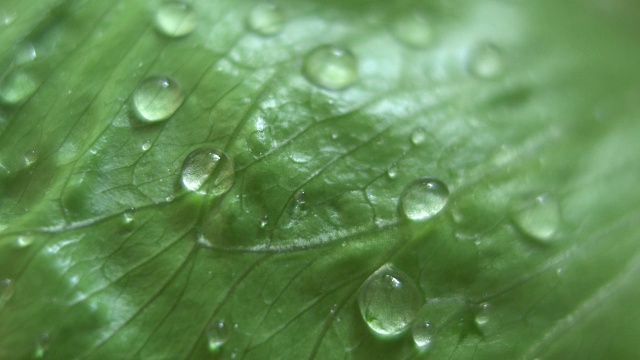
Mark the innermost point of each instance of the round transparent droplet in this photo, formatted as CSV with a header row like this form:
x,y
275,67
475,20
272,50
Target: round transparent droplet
x,y
418,136
24,240
392,171
176,19
485,61
413,30
208,171
17,86
146,145
482,315
6,290
157,98
128,216
30,157
423,199
538,217
422,333
218,333
260,142
26,53
330,67
389,301
266,19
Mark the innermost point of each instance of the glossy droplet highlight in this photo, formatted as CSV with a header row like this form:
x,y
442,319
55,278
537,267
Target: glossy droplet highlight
x,y
418,136
413,30
146,145
538,217
24,241
392,171
42,346
389,301
157,98
330,67
482,315
30,157
266,19
176,19
6,290
208,171
260,142
422,333
218,333
17,86
423,199
485,61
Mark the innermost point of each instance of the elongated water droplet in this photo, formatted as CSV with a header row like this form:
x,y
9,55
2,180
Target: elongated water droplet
x,y
418,136
176,19
157,98
208,171
26,53
331,67
389,301
485,61
260,142
6,290
218,333
538,217
482,315
30,157
422,332
42,345
423,198
24,240
392,171
266,19
129,216
17,86
146,145
413,30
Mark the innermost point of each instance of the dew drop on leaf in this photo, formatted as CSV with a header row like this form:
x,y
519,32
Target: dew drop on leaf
x,y
389,301
413,29
330,67
260,142
422,333
128,216
176,19
423,199
266,19
30,157
392,171
418,136
24,240
146,145
16,86
208,171
42,345
26,53
6,290
157,98
218,332
482,315
538,217
485,61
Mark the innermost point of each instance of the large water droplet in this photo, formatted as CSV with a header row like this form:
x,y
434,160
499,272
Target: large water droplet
x,y
331,67
538,217
260,142
485,61
422,332
266,19
208,171
6,290
16,86
389,301
413,30
176,19
157,98
423,198
218,333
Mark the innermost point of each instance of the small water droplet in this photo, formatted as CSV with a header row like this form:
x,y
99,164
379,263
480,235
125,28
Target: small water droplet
x,y
331,67
418,136
218,333
482,315
260,142
42,345
208,171
157,98
422,332
389,301
24,240
413,30
8,17
30,157
176,19
266,19
423,199
146,145
538,217
392,171
129,216
26,53
264,221
485,61
6,290
16,86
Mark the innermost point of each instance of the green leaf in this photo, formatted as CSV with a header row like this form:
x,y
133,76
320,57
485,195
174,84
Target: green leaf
x,y
339,119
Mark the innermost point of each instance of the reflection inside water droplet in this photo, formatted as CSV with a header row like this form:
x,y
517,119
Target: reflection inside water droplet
x,y
422,332
176,19
331,67
423,199
266,19
208,171
538,216
157,98
218,333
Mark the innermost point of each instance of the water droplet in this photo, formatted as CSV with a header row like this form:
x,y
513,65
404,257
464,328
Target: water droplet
x,y
16,86
482,315
176,19
6,290
146,145
538,217
331,67
218,333
422,332
418,136
392,171
485,61
30,157
389,301
423,198
24,240
264,221
26,53
208,171
129,216
266,19
157,98
260,142
413,30
8,17
42,345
